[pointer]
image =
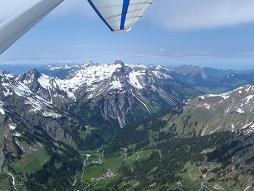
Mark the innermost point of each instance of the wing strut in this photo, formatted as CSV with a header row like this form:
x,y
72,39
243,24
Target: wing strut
x,y
12,29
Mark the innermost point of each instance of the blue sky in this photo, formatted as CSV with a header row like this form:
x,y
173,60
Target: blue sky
x,y
214,33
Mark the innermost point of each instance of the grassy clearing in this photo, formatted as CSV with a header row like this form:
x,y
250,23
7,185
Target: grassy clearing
x,y
5,181
31,162
191,178
112,162
143,154
88,131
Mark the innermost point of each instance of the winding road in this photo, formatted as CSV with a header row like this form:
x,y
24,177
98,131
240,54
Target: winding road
x,y
87,184
13,180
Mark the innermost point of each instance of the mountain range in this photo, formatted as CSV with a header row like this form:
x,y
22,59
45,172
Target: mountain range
x,y
210,113
114,93
126,118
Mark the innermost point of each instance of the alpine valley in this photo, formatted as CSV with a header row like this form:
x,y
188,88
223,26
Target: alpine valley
x,y
126,127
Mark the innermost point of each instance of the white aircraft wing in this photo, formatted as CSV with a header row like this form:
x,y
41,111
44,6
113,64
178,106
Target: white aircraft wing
x,y
12,29
120,15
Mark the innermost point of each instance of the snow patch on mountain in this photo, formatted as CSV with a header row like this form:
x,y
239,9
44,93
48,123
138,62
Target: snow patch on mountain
x,y
88,76
1,108
134,79
159,74
248,128
19,89
42,106
141,102
6,76
39,104
7,92
116,84
207,106
248,98
12,126
227,95
17,134
92,74
240,110
44,81
249,88
224,95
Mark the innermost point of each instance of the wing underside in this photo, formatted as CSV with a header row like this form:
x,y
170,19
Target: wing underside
x,y
15,27
120,15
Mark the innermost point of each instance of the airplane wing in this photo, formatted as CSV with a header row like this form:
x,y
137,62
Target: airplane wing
x,y
12,29
120,15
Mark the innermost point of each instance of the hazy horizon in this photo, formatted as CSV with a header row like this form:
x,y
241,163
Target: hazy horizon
x,y
204,33
30,63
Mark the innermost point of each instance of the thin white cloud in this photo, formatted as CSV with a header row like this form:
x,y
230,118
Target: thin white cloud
x,y
171,14
201,14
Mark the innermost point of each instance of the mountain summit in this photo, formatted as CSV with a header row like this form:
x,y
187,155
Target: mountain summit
x,y
116,93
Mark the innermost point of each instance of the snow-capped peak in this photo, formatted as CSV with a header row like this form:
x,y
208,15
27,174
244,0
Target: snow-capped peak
x,y
92,79
238,101
135,78
88,76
